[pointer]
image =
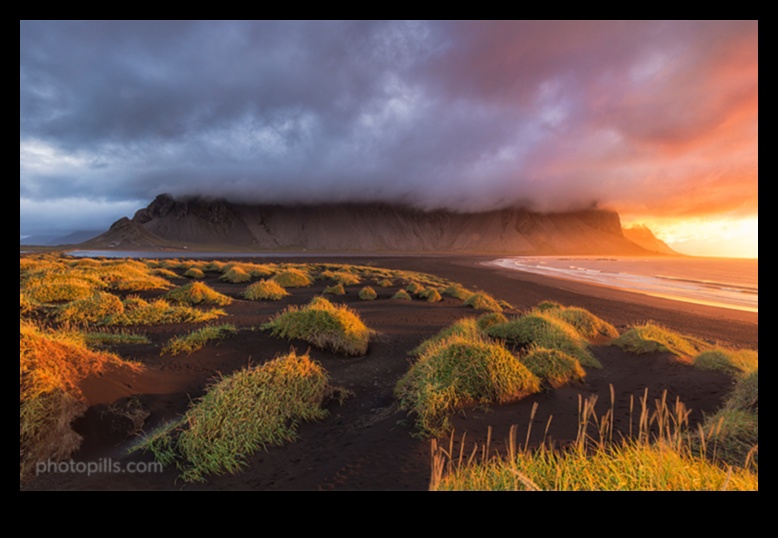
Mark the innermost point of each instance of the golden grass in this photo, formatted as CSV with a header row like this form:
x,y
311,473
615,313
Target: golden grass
x,y
660,457
249,410
458,371
196,293
198,339
324,325
51,366
265,290
138,311
292,278
483,301
652,337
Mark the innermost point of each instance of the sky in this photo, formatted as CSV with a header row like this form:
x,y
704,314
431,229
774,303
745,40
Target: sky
x,y
657,120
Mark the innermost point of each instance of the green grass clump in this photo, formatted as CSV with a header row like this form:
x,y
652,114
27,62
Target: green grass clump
x,y
293,278
650,337
457,292
336,289
250,410
545,331
113,338
414,288
587,324
490,319
553,366
732,433
401,295
265,290
459,372
326,326
483,301
729,361
197,339
236,275
158,312
196,293
385,283
367,294
130,275
431,295
467,328
92,309
194,272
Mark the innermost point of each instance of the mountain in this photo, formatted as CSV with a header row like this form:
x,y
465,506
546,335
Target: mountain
x,y
214,223
644,237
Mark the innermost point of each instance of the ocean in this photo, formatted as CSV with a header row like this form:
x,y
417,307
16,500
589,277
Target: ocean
x,y
723,282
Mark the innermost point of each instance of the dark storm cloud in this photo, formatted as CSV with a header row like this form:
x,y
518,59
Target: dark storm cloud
x,y
468,115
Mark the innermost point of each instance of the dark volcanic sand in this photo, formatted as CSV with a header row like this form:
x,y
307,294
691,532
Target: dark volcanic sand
x,y
366,444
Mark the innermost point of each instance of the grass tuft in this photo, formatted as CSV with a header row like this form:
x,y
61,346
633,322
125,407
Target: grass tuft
x,y
729,361
196,293
553,366
401,295
293,278
458,372
265,290
197,339
483,301
194,272
650,337
546,331
249,410
326,326
431,295
367,294
336,289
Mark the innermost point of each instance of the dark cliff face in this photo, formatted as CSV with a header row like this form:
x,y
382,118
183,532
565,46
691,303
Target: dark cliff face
x,y
381,227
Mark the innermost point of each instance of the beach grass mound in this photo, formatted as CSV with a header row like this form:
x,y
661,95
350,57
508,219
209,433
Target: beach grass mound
x,y
466,328
385,283
58,287
265,290
292,278
196,293
324,325
553,366
92,309
336,289
344,278
195,340
651,338
490,319
459,372
729,361
138,311
236,275
51,366
130,275
367,294
431,295
194,272
546,331
401,295
252,409
483,301
414,288
587,324
457,292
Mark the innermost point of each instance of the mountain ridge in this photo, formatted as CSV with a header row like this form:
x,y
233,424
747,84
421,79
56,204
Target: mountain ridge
x,y
366,227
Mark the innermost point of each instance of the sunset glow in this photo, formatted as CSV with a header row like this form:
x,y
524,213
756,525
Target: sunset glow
x,y
657,120
721,238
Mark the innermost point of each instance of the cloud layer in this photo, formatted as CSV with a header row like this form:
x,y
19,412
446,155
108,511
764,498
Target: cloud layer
x,y
654,118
